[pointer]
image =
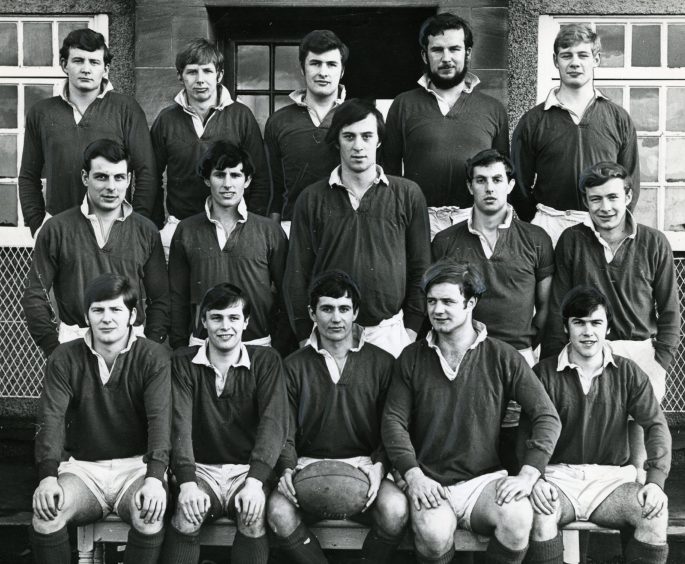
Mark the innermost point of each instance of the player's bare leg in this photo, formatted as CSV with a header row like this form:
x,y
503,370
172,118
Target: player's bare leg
x,y
390,513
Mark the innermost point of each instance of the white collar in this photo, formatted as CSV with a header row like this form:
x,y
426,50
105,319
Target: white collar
x,y
564,361
552,100
357,337
88,339
504,225
470,82
105,87
202,357
224,95
300,96
126,210
481,335
241,209
335,178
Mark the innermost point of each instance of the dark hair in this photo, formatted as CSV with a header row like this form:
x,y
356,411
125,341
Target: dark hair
x,y
200,52
334,284
581,301
486,158
109,150
601,173
572,34
222,296
223,154
85,39
322,40
350,112
450,271
438,24
109,286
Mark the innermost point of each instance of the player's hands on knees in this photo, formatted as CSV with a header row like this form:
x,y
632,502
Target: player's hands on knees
x,y
150,500
422,490
375,475
653,501
250,501
286,486
48,499
193,502
544,498
517,487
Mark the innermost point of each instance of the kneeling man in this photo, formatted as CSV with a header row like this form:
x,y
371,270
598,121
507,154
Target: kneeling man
x,y
229,427
441,425
106,402
590,478
337,386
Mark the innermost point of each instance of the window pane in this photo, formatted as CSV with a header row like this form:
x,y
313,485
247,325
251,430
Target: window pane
x,y
281,102
287,73
37,44
675,109
674,219
675,164
648,147
8,205
645,211
644,108
646,46
259,106
8,156
614,94
8,106
676,45
34,93
9,54
613,44
64,28
253,67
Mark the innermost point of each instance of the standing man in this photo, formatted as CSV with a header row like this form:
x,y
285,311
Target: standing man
x,y
295,136
202,113
60,128
632,265
442,384
102,444
226,243
434,128
575,127
229,426
101,235
517,263
360,221
337,386
590,479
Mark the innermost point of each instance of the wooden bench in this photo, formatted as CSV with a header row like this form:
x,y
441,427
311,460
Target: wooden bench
x,y
333,535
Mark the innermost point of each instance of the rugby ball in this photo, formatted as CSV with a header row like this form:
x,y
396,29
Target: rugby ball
x,y
331,489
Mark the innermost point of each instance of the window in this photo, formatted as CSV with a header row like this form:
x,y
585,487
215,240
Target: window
x,y
641,69
265,75
29,72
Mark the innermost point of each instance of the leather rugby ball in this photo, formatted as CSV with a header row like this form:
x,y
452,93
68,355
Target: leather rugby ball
x,y
331,489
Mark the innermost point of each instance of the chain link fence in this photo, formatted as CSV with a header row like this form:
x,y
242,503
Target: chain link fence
x,y
22,362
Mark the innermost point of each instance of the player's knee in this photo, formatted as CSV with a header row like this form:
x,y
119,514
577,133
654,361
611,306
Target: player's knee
x,y
433,536
146,528
281,515
255,529
515,519
652,531
392,512
182,525
47,527
544,526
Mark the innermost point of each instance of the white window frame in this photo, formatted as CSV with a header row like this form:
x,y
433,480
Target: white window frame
x,y
621,77
20,236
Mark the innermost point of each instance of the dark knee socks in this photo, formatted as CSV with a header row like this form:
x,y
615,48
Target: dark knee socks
x,y
179,548
546,552
379,547
444,559
642,553
303,547
52,548
143,549
249,550
497,553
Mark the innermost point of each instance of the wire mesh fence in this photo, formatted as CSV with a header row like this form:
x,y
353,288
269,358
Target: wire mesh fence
x,y
22,362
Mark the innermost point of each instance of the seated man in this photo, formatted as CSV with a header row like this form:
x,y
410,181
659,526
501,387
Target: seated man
x,y
441,425
229,426
336,387
106,401
590,478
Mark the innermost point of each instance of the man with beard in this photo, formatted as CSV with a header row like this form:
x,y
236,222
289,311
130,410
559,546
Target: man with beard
x,y
434,128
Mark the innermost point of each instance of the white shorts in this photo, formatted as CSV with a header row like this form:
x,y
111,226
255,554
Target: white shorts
x,y
356,461
390,335
588,485
108,480
224,479
445,216
642,353
513,413
463,496
285,225
167,233
555,221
